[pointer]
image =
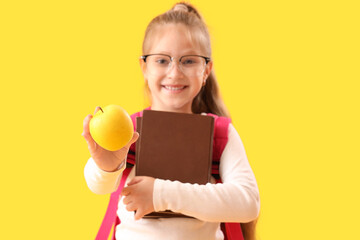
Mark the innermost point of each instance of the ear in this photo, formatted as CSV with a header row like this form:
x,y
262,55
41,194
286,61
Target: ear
x,y
143,67
207,71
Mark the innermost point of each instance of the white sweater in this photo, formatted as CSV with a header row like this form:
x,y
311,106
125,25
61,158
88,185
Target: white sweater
x,y
234,200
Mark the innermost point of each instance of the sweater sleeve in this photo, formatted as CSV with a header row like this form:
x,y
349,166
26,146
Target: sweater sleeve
x,y
100,181
234,200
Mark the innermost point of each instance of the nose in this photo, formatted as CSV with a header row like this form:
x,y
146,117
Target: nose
x,y
175,70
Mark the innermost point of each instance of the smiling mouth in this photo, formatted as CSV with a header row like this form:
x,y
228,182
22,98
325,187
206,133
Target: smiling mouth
x,y
174,88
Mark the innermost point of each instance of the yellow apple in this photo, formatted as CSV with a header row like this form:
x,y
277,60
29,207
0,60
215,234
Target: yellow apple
x,y
111,127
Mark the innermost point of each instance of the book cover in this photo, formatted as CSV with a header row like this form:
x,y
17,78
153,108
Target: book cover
x,y
174,146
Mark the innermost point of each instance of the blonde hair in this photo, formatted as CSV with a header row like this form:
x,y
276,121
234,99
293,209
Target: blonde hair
x,y
208,99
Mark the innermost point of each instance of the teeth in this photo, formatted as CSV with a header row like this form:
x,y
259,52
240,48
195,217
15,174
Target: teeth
x,y
174,88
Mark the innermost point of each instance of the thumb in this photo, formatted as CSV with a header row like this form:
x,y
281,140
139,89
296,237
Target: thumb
x,y
86,130
134,138
86,134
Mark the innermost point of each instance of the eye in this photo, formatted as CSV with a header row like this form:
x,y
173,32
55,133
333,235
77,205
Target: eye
x,y
162,61
189,61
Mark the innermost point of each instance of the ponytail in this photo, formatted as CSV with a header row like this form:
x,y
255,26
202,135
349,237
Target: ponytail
x,y
209,100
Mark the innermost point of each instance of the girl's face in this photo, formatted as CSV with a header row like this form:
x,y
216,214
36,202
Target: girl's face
x,y
174,91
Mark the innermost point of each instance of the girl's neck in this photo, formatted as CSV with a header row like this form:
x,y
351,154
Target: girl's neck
x,y
178,110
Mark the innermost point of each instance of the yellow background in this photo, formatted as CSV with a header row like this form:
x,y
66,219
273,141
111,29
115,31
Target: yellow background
x,y
288,71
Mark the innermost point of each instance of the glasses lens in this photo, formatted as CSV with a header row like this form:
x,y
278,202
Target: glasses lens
x,y
192,65
158,64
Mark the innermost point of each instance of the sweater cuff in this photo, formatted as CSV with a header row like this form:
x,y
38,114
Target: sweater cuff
x,y
158,198
100,181
104,173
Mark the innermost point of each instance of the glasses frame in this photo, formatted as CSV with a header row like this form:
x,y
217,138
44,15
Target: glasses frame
x,y
207,59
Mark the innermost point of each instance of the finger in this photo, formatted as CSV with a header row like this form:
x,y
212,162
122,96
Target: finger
x,y
86,129
135,180
131,207
127,200
126,191
134,138
86,134
139,214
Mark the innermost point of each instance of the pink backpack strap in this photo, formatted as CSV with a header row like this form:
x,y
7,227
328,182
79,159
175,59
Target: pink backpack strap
x,y
110,215
232,231
221,126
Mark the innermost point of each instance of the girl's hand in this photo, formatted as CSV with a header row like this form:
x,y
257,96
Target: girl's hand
x,y
106,160
139,196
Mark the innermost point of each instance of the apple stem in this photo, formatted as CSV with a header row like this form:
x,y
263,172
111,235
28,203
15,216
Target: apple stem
x,y
101,109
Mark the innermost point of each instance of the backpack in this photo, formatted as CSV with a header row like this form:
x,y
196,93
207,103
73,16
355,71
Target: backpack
x,y
232,231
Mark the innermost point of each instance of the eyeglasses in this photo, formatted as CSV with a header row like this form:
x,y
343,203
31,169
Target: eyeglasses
x,y
190,65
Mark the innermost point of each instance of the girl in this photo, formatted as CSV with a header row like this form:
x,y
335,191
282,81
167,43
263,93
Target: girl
x,y
177,69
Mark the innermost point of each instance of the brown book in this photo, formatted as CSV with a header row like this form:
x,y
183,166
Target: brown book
x,y
174,146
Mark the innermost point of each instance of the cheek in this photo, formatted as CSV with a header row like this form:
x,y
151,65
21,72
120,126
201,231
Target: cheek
x,y
150,86
198,82
153,83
